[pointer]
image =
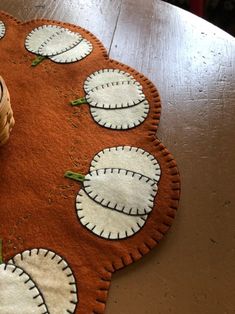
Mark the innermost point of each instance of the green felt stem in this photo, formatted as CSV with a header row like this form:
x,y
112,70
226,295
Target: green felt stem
x,y
38,60
74,176
1,257
79,101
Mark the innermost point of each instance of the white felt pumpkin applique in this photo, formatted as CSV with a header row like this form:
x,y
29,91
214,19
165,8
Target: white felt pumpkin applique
x,y
57,43
116,99
118,193
32,282
2,29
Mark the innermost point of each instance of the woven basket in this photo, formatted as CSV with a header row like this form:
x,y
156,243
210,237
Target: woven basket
x,y
6,114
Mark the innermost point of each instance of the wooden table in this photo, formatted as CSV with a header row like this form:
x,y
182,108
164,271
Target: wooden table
x,y
192,64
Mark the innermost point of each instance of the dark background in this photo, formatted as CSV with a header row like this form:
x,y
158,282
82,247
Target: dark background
x,y
219,12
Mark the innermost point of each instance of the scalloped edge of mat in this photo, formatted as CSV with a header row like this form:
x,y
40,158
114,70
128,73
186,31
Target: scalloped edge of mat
x,y
152,240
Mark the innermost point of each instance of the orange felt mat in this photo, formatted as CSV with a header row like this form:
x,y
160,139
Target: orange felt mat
x,y
37,207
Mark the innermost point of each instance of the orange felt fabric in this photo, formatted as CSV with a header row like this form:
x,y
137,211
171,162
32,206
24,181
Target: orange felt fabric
x,y
37,207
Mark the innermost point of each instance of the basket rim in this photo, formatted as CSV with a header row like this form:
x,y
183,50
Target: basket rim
x,y
3,92
5,104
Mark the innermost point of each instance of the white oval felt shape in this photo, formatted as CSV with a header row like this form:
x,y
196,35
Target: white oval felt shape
x,y
121,119
50,40
60,42
104,222
2,29
80,51
39,35
105,76
18,293
130,158
122,190
52,276
116,95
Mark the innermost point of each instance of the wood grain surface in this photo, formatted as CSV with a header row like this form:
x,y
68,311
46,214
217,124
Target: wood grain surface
x,y
193,65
